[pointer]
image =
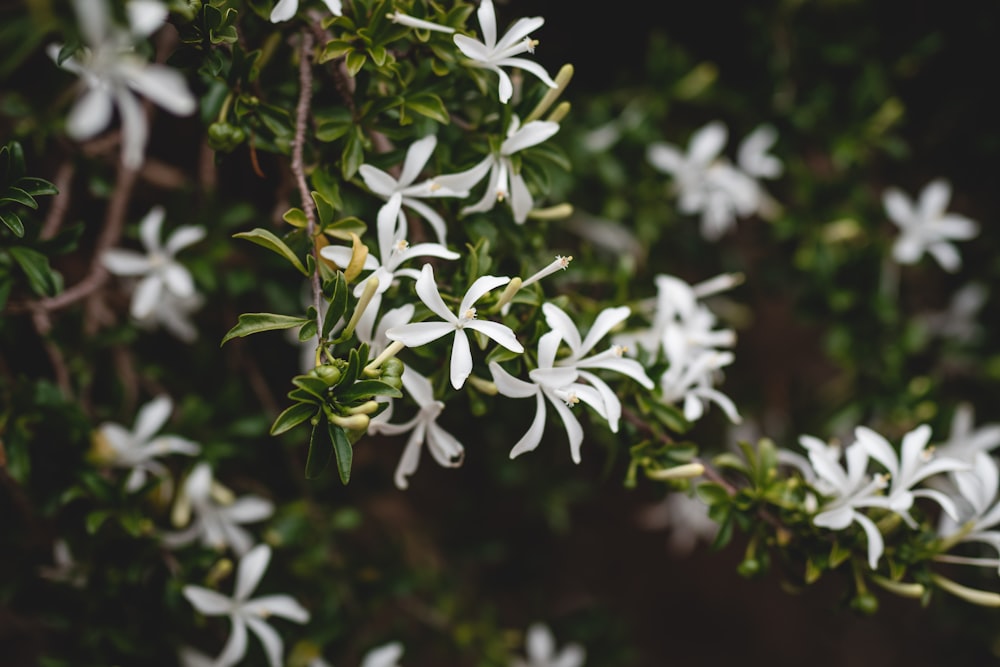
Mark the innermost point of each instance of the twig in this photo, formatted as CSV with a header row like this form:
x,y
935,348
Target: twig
x,y
43,325
301,121
63,180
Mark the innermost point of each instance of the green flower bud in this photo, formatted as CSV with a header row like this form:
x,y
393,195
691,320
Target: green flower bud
x,y
225,137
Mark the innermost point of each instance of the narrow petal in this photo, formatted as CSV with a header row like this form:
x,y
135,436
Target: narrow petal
x,y
178,280
946,255
433,218
250,570
145,16
488,22
533,435
336,7
274,647
208,602
284,10
898,207
378,181
236,645
91,114
934,199
418,387
876,544
410,459
531,67
878,448
510,386
608,319
502,334
461,359
540,644
468,179
416,157
165,86
249,509
125,262
548,345
444,447
419,333
530,134
135,129
427,290
573,429
707,143
93,17
480,287
505,87
518,32
428,250
182,237
665,158
284,606
472,48
151,418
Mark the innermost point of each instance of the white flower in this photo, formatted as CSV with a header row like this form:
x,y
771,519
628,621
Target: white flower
x,y
492,55
965,441
421,333
414,22
978,488
285,9
612,359
925,227
559,386
691,380
137,449
217,515
686,517
914,464
158,271
393,249
173,313
707,183
959,321
113,73
423,427
540,646
245,613
385,186
387,655
849,490
504,181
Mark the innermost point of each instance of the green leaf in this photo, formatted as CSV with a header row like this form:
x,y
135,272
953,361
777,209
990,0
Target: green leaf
x,y
355,61
296,217
311,385
353,155
335,49
308,330
324,209
292,417
251,323
43,281
712,493
266,239
13,223
338,304
37,186
95,520
20,196
429,105
343,228
319,455
345,452
365,389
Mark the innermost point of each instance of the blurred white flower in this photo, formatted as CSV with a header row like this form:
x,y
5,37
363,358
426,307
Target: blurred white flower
x,y
423,428
958,322
978,490
926,227
137,449
492,55
285,9
217,514
752,156
965,441
387,655
245,613
685,516
158,272
112,73
505,182
540,647
421,333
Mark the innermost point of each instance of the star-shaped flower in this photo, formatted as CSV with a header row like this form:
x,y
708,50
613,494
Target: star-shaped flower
x,y
217,514
285,9
423,427
540,646
137,449
245,613
158,271
421,333
113,73
926,227
492,55
504,182
385,186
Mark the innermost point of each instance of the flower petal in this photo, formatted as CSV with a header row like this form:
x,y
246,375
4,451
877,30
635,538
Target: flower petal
x,y
284,606
461,359
530,134
427,290
480,287
208,602
416,157
250,570
125,262
419,333
91,114
501,333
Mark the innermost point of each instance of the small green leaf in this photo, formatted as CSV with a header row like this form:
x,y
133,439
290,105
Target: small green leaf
x,y
429,105
251,323
335,49
355,61
338,304
266,239
43,281
13,223
292,417
712,493
343,228
95,520
319,455
324,208
353,155
20,196
308,330
313,386
37,186
296,217
365,389
345,452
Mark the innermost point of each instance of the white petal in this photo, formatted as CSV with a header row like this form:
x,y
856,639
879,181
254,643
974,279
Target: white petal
x,y
665,158
336,7
145,16
178,280
427,290
898,207
878,448
510,386
416,157
488,22
151,418
236,645
533,436
505,87
502,334
164,86
531,67
125,262
480,287
207,602
517,32
444,447
419,333
249,509
876,545
284,10
284,606
946,255
707,143
436,222
383,656
184,236
93,17
410,459
250,570
540,644
608,319
934,199
472,48
90,114
461,359
530,134
135,129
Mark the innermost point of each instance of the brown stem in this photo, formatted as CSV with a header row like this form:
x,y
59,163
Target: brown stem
x,y
63,180
301,122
